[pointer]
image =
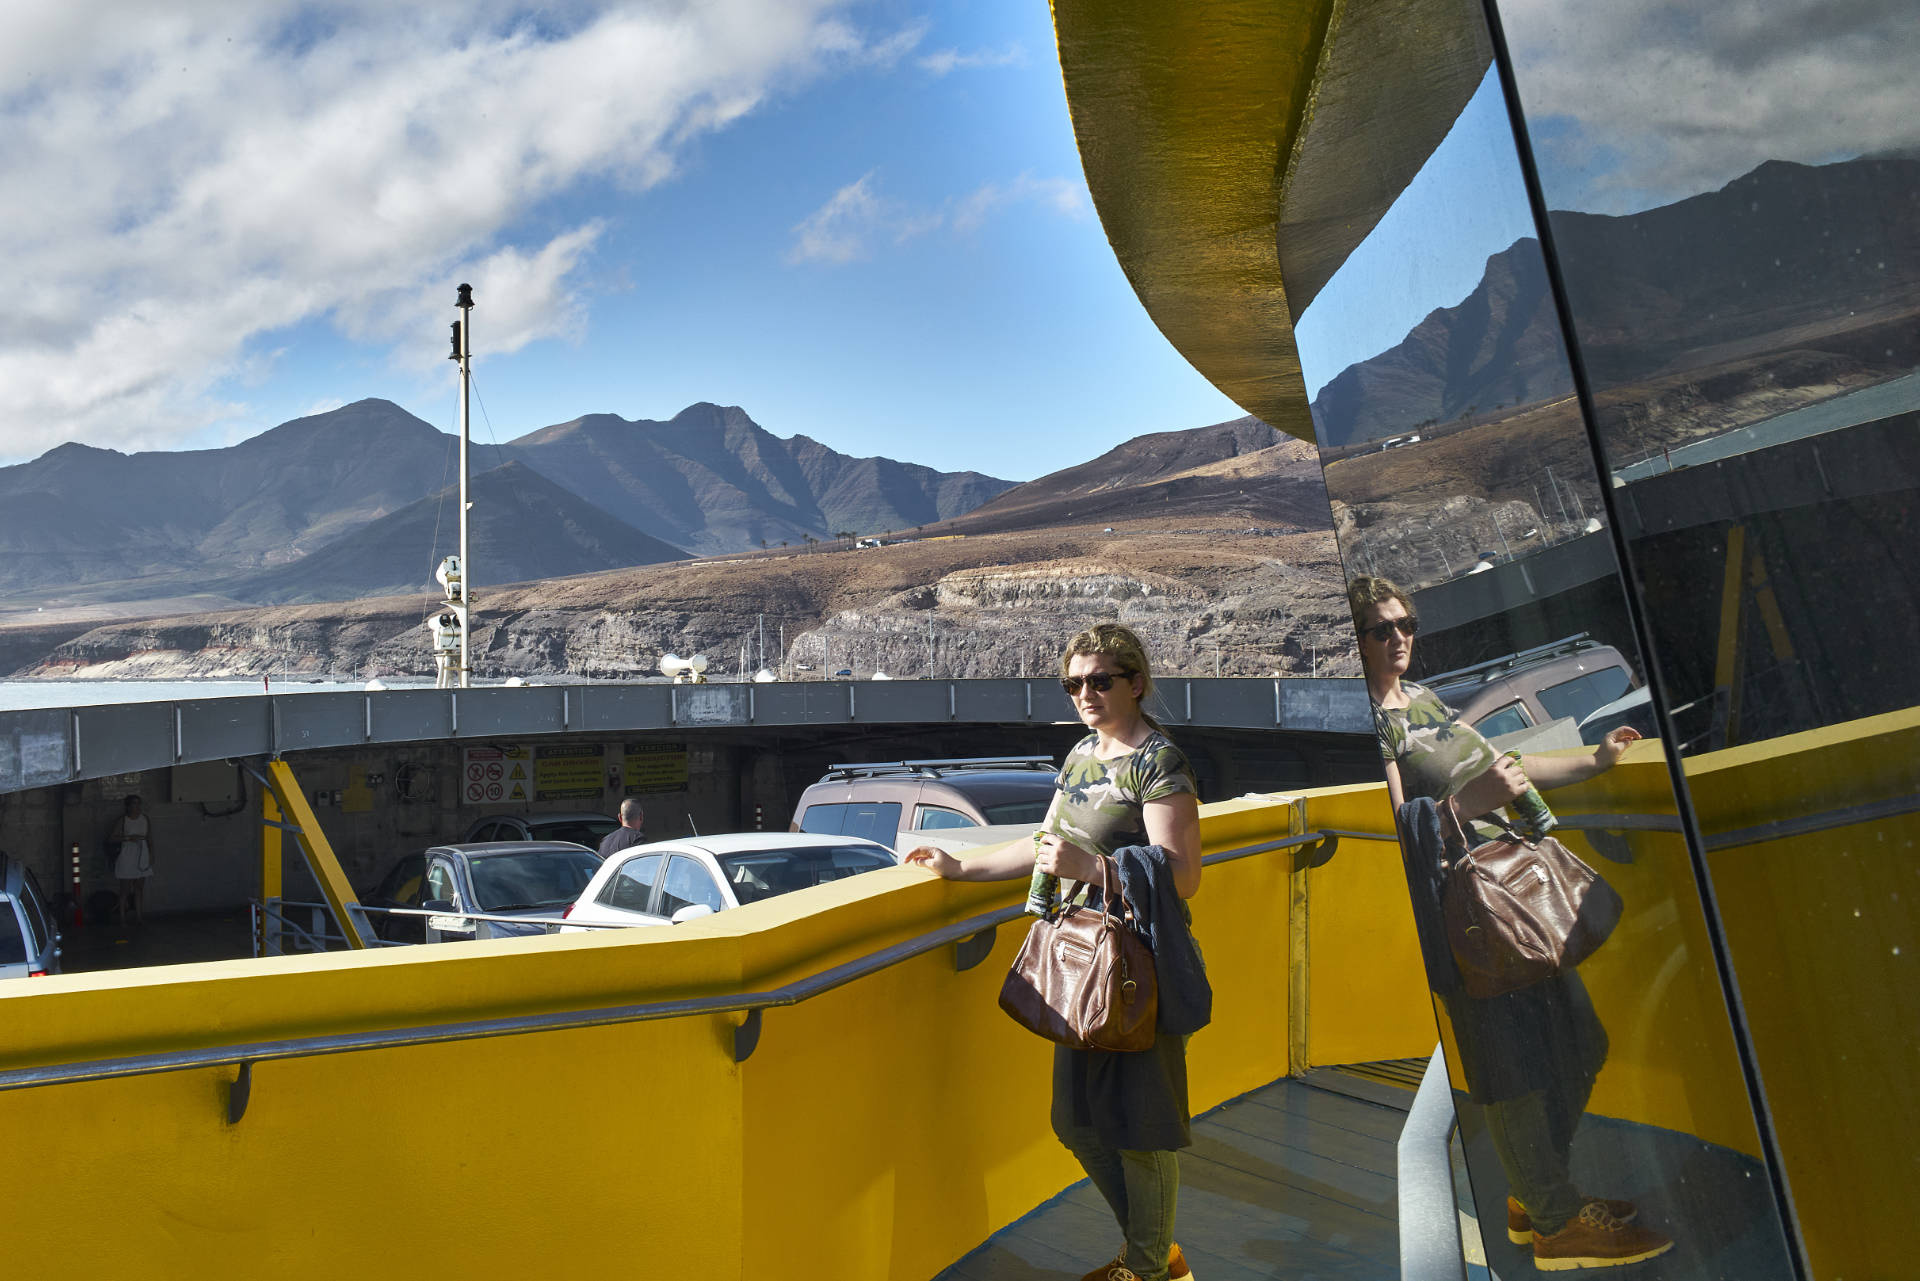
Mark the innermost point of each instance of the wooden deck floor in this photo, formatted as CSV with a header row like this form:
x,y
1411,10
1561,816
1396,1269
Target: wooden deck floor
x,y
1294,1181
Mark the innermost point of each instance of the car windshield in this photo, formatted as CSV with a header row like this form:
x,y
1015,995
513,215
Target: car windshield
x,y
760,874
581,831
530,878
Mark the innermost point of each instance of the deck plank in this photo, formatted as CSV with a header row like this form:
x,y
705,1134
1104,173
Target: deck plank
x,y
1287,1182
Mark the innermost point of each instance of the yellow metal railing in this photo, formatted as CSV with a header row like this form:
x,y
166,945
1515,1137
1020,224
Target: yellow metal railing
x,y
602,1097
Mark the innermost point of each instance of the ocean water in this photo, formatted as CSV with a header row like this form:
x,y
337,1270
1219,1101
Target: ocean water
x,y
21,695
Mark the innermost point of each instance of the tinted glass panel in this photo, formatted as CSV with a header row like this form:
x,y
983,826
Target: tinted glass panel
x,y
765,873
441,885
631,888
41,933
1466,494
13,944
933,818
1505,721
587,832
828,820
1584,694
1017,811
1745,292
530,878
688,883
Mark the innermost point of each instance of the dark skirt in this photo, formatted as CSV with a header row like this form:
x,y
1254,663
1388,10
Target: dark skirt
x,y
1537,1038
1133,1102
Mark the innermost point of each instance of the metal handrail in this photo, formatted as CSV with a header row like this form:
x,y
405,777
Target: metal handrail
x,y
1430,1247
749,1003
1758,833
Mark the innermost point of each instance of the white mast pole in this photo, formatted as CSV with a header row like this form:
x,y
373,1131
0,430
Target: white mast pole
x,y
464,301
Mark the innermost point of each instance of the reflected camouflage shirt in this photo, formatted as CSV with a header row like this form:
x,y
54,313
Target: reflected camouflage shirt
x,y
1099,805
1437,755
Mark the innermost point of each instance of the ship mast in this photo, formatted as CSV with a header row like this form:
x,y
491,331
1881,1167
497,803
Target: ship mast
x,y
463,352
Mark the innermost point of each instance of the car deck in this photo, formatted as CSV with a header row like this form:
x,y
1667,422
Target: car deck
x,y
1295,1179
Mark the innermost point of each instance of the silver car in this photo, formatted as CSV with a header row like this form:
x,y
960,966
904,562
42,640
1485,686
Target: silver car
x,y
494,878
29,944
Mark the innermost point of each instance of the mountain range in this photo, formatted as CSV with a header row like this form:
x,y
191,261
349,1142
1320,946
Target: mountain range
x,y
353,502
1716,277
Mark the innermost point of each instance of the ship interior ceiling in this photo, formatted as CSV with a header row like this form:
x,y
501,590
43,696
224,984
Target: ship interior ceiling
x,y
1678,416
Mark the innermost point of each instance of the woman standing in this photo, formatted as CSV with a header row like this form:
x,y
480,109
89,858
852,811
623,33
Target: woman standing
x,y
1530,1057
1123,1116
133,864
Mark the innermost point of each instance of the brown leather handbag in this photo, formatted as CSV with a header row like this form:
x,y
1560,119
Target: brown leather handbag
x,y
1520,911
1084,977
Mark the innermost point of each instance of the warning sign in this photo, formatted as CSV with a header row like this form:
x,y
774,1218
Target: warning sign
x,y
568,773
494,774
656,767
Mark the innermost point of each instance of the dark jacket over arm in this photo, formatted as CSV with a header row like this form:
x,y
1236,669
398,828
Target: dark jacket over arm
x,y
1186,997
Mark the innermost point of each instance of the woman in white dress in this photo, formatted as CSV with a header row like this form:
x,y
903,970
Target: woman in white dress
x,y
134,863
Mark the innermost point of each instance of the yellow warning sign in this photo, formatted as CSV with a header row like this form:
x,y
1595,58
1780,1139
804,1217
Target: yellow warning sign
x,y
656,767
568,773
518,771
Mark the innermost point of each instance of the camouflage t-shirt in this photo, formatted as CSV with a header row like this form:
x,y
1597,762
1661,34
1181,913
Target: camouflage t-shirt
x,y
1099,806
1437,755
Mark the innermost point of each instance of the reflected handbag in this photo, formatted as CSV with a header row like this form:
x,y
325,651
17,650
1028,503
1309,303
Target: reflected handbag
x,y
1084,977
1519,911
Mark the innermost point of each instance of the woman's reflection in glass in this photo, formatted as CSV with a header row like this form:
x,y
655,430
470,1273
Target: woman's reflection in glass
x,y
1529,1057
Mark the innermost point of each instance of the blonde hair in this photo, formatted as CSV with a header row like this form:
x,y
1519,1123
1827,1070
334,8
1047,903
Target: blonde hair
x,y
1364,593
1119,643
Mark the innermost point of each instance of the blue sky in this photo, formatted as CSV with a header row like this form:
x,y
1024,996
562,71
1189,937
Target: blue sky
x,y
861,221
865,223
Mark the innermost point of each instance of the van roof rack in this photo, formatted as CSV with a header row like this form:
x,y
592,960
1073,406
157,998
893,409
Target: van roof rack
x,y
936,768
1493,668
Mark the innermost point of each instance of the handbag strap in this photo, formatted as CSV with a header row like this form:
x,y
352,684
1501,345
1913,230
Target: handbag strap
x,y
1124,913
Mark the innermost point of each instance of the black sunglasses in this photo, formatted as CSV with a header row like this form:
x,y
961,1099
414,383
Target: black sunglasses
x,y
1380,631
1099,682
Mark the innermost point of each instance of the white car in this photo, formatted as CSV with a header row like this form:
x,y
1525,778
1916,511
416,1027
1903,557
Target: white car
x,y
668,882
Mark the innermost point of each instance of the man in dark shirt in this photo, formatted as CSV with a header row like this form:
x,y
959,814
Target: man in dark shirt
x,y
632,820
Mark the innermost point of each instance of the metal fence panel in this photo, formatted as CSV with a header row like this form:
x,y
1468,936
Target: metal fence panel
x,y
802,703
401,715
1238,703
891,702
36,748
710,704
989,701
1329,704
624,707
305,721
501,713
213,728
123,738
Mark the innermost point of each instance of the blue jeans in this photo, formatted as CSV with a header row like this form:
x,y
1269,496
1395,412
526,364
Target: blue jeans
x,y
1143,1188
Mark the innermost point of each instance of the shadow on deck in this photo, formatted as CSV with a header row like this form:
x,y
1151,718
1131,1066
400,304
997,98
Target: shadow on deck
x,y
1294,1180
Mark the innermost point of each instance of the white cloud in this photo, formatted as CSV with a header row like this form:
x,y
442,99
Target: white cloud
x,y
182,180
943,62
1667,100
857,219
1068,199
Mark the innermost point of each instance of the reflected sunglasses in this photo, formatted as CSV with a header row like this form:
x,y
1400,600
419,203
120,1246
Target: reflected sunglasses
x,y
1099,682
1380,631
